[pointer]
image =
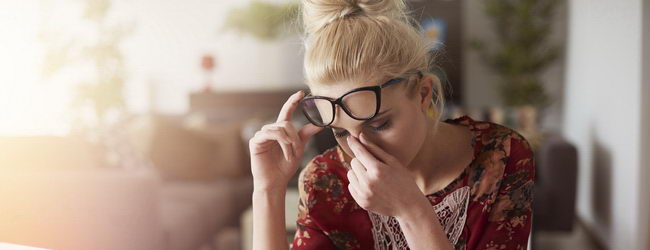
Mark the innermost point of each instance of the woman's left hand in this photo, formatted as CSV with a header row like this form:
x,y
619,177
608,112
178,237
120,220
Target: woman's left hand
x,y
380,183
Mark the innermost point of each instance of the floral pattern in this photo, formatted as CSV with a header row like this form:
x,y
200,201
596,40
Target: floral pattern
x,y
498,215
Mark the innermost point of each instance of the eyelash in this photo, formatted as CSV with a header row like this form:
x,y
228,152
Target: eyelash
x,y
384,126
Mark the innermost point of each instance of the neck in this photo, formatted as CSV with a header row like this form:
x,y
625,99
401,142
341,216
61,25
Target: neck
x,y
433,147
434,165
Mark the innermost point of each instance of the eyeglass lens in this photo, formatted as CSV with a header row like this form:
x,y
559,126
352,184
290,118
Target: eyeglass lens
x,y
361,104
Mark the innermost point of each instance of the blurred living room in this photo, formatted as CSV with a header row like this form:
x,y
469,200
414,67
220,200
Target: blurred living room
x,y
125,124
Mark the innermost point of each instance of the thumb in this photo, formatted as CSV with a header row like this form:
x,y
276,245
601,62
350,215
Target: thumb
x,y
308,131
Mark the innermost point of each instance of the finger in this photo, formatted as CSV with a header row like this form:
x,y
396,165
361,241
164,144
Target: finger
x,y
308,131
267,135
353,188
353,191
352,177
377,151
359,171
287,150
280,138
274,127
360,152
289,132
289,107
357,195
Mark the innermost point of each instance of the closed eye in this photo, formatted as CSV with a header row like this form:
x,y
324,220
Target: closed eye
x,y
381,127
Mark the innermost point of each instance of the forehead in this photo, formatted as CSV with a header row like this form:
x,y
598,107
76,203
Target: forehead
x,y
337,89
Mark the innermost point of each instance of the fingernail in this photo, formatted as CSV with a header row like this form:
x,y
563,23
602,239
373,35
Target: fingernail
x,y
295,96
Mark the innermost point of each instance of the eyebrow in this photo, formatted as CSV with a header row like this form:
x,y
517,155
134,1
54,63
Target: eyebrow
x,y
369,121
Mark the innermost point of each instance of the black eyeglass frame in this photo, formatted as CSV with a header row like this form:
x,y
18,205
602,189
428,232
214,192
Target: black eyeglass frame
x,y
376,89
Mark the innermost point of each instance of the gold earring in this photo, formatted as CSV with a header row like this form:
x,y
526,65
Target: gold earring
x,y
431,110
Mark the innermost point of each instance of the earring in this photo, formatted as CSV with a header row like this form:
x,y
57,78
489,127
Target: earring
x,y
431,110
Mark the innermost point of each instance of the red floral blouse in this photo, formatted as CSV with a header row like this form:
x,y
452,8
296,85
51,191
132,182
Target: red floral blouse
x,y
488,206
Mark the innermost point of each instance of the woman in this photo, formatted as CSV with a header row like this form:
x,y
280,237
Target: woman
x,y
398,178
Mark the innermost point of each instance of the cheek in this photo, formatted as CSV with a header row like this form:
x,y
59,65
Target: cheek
x,y
406,137
400,146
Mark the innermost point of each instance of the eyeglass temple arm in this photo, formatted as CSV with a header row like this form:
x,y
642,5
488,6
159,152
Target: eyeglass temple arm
x,y
398,79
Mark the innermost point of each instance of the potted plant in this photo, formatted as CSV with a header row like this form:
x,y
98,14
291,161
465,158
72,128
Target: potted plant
x,y
521,53
98,105
263,20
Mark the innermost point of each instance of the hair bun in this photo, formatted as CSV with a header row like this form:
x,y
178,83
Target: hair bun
x,y
318,13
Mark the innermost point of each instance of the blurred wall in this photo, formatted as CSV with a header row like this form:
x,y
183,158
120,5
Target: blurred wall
x,y
170,37
162,57
644,231
602,116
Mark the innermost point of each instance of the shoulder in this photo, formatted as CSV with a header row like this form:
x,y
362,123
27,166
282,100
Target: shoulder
x,y
497,141
513,195
512,149
521,156
504,157
502,185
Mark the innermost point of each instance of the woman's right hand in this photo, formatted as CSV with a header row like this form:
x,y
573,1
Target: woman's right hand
x,y
277,148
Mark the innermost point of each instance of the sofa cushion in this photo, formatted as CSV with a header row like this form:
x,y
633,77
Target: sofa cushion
x,y
193,213
198,153
80,209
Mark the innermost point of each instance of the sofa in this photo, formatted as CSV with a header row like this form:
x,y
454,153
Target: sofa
x,y
80,209
61,192
554,205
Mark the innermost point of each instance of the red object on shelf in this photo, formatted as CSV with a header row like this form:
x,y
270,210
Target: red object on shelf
x,y
208,64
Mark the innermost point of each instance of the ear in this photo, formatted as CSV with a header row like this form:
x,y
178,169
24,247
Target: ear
x,y
426,91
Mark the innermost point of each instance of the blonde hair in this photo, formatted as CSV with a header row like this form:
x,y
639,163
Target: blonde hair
x,y
365,41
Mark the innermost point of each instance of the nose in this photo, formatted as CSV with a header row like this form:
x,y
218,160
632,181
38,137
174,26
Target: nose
x,y
355,134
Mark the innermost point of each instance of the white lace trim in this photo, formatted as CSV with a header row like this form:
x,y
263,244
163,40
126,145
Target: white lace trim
x,y
451,211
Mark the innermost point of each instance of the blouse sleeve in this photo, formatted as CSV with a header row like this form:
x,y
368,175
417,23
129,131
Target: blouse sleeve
x,y
509,221
308,234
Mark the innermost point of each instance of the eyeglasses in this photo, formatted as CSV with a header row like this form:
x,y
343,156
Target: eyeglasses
x,y
360,103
